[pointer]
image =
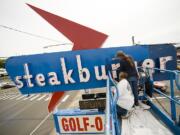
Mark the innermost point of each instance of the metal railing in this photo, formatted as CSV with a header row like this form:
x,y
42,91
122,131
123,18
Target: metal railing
x,y
174,76
112,123
171,120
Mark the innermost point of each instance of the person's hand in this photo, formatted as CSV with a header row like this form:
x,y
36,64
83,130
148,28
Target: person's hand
x,y
113,89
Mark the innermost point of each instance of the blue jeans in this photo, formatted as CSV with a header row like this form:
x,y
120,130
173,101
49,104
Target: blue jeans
x,y
121,111
133,82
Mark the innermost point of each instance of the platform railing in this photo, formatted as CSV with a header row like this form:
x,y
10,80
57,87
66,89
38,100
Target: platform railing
x,y
171,121
112,123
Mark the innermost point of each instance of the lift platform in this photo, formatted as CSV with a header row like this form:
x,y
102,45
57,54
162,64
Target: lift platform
x,y
143,122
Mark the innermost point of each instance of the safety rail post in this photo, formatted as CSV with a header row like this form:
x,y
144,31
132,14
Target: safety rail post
x,y
107,126
112,123
113,110
173,106
114,102
150,77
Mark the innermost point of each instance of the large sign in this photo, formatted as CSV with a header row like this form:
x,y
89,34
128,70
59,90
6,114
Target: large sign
x,y
74,70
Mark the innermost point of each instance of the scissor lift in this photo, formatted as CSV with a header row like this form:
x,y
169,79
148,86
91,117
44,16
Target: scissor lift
x,y
150,122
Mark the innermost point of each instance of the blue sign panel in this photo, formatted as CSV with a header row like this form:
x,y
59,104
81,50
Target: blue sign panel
x,y
74,70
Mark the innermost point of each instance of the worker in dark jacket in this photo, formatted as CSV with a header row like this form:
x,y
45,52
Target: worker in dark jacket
x,y
127,65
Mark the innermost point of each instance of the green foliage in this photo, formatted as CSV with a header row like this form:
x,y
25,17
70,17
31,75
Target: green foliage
x,y
2,63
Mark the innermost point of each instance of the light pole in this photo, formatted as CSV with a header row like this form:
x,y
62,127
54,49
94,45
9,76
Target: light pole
x,y
133,41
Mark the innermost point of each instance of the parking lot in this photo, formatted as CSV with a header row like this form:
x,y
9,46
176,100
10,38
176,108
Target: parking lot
x,y
28,114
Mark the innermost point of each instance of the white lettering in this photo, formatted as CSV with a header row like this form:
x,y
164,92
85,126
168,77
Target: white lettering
x,y
114,67
163,61
67,75
40,80
18,82
149,63
27,76
53,80
84,74
103,71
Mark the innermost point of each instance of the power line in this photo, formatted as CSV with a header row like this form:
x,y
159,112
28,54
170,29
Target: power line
x,y
57,45
27,33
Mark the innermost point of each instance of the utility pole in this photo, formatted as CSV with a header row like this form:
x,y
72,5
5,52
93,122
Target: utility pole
x,y
133,41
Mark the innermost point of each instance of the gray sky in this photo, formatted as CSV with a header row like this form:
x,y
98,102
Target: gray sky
x,y
150,21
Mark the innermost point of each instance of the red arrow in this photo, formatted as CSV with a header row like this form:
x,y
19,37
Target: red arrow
x,y
82,37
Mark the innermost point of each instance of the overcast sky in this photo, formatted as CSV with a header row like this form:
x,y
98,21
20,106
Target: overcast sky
x,y
150,21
